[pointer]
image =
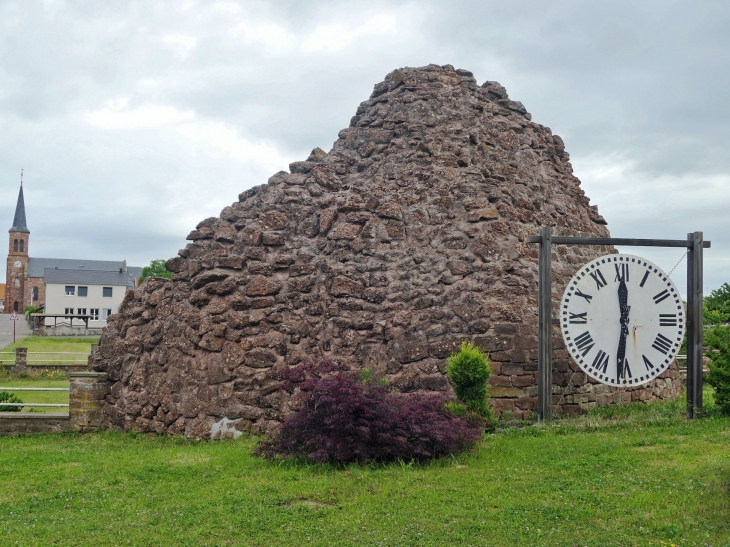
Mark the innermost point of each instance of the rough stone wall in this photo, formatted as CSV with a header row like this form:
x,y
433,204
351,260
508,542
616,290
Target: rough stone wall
x,y
408,237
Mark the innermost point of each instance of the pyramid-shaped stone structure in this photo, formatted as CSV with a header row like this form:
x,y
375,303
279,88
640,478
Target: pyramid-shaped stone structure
x,y
408,237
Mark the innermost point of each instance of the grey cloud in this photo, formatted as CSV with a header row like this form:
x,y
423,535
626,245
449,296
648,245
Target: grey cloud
x,y
641,85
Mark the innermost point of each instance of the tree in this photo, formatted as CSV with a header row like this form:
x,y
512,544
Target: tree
x,y
717,306
718,342
155,269
31,309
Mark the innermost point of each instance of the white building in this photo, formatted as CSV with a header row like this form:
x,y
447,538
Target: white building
x,y
85,292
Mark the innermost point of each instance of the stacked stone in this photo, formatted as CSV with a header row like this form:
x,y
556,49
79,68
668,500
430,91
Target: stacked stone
x,y
407,238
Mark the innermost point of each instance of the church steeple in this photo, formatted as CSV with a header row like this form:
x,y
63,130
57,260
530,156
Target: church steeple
x,y
19,219
17,265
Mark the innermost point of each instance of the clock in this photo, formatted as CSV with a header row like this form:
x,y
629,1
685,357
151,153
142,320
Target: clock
x,y
18,264
622,320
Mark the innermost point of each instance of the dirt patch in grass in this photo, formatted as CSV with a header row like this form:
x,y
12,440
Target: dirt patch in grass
x,y
190,459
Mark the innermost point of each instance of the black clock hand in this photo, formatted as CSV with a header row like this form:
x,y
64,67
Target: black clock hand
x,y
623,300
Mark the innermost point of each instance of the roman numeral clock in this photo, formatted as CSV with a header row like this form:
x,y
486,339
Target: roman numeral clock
x,y
621,317
622,320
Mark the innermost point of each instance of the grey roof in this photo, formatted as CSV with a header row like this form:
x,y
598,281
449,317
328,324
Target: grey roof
x,y
37,267
86,277
19,219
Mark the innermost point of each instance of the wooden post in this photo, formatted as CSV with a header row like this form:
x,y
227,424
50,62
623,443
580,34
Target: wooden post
x,y
694,326
545,344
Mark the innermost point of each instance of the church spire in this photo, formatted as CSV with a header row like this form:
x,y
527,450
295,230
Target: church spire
x,y
19,219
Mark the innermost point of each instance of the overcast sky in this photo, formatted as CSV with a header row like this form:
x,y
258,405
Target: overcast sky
x,y
135,120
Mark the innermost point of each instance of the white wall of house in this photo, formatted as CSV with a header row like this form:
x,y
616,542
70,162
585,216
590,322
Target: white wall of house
x,y
58,301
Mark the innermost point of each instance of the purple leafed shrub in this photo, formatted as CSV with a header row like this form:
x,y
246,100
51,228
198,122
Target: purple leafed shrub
x,y
339,419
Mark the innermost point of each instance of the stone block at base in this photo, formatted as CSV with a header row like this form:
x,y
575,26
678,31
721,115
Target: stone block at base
x,y
86,394
33,423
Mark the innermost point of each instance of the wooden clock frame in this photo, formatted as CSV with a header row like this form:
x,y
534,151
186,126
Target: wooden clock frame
x,y
694,245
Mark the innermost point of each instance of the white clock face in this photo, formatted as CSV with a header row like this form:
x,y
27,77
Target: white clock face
x,y
18,263
622,320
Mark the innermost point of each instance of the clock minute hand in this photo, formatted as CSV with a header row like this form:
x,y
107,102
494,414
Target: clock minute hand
x,y
623,300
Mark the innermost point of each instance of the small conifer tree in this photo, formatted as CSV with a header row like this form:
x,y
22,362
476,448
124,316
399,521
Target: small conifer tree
x,y
469,372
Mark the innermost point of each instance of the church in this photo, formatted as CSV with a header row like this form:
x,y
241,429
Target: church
x,y
32,281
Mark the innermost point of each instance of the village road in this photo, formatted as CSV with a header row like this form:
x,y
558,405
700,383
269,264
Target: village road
x,y
22,329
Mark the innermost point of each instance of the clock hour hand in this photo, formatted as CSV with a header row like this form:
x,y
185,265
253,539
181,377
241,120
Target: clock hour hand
x,y
623,300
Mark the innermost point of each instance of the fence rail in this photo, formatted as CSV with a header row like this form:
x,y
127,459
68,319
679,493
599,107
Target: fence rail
x,y
49,361
39,359
683,366
50,352
34,405
41,364
33,389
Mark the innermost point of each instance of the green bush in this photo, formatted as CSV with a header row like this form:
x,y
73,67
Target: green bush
x,y
31,309
6,397
718,342
155,269
469,372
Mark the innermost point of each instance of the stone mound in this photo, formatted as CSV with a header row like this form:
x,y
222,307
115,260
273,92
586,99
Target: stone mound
x,y
408,237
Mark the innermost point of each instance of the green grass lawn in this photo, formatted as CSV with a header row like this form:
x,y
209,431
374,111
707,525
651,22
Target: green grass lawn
x,y
38,396
639,476
53,350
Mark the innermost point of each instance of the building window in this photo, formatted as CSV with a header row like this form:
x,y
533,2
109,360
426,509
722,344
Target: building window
x,y
83,291
70,290
105,314
94,314
34,294
82,311
68,311
107,292
17,282
21,245
15,246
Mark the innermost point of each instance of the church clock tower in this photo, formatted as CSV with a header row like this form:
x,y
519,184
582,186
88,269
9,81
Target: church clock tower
x,y
17,267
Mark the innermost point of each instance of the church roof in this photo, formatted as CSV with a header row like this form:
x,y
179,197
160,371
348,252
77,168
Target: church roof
x,y
19,219
37,267
87,277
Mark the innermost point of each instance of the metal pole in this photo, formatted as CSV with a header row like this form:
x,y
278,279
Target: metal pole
x,y
545,345
13,332
694,326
